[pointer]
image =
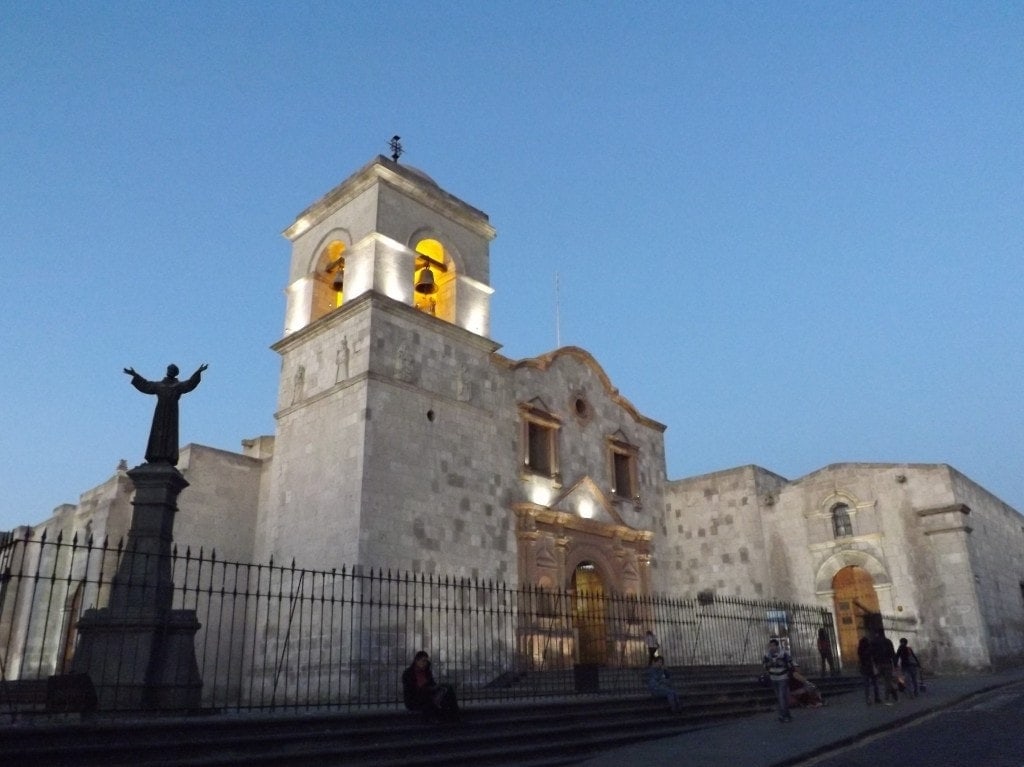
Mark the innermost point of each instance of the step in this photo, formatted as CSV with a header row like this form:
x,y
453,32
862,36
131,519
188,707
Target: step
x,y
494,733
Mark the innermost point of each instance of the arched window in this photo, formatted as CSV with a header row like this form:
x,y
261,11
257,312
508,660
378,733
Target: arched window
x,y
842,527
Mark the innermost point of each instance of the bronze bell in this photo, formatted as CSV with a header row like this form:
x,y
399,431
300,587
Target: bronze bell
x,y
338,283
425,281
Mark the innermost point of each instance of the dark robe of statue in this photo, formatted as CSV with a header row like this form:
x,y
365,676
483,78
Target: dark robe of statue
x,y
163,434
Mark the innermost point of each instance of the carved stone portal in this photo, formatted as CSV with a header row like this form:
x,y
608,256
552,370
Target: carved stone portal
x,y
586,577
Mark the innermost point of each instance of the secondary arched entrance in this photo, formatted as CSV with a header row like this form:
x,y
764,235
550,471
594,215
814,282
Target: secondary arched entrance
x,y
856,605
589,613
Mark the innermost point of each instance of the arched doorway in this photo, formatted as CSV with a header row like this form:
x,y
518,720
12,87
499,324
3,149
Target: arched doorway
x,y
856,606
588,613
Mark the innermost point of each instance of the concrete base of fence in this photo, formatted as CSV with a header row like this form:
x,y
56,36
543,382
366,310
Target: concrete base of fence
x,y
66,693
586,677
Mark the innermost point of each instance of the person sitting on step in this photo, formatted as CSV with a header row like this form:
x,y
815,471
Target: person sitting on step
x,y
660,685
421,693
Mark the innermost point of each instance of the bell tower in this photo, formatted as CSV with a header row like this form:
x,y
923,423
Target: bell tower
x,y
391,230
386,375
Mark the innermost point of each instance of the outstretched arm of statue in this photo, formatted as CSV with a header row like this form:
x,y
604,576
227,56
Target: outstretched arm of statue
x,y
140,383
193,382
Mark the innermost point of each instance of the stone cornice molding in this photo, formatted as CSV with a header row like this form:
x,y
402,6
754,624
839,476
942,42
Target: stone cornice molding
x,y
531,515
945,519
390,306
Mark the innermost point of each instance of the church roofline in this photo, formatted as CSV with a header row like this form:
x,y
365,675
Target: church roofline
x,y
752,467
196,448
411,181
844,465
544,361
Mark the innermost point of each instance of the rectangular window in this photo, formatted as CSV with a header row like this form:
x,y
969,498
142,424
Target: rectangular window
x,y
623,470
539,442
623,474
540,452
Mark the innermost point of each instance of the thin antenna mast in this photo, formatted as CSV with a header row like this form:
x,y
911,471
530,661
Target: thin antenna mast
x,y
558,315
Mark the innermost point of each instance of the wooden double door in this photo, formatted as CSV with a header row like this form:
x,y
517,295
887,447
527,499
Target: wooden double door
x,y
856,606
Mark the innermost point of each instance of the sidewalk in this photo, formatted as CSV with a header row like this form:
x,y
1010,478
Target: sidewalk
x,y
763,741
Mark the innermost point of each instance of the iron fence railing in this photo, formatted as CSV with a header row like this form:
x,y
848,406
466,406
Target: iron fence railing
x,y
278,636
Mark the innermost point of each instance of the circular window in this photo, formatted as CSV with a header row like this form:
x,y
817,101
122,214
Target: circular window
x,y
581,407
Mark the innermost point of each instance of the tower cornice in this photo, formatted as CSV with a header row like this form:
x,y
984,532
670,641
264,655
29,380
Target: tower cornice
x,y
411,182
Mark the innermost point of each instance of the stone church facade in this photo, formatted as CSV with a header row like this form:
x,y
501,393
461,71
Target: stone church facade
x,y
405,440
921,543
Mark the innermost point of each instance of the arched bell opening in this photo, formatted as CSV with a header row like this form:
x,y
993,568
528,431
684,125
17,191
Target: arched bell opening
x,y
434,280
329,279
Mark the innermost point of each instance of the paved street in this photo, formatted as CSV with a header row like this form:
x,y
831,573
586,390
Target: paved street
x,y
962,721
983,732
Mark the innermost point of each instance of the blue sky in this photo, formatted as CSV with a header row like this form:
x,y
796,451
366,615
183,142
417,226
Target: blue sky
x,y
792,232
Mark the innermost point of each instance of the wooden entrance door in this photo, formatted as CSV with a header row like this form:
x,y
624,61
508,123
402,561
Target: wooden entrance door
x,y
855,602
588,614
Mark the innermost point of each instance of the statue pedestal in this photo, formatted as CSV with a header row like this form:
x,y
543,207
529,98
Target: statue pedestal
x,y
141,662
139,653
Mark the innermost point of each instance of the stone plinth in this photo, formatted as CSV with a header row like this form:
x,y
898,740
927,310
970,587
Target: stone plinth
x,y
139,653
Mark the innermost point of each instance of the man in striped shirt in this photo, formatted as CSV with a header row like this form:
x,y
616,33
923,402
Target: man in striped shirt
x,y
777,662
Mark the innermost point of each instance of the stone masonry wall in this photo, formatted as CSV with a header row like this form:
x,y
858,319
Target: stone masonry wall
x,y
711,534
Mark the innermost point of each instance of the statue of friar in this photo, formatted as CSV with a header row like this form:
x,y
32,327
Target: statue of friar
x,y
163,435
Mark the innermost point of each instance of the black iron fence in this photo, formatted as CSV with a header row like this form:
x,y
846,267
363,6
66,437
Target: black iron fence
x,y
278,636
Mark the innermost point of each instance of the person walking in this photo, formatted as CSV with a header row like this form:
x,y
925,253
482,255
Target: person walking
x,y
910,666
868,670
884,655
777,662
825,652
652,647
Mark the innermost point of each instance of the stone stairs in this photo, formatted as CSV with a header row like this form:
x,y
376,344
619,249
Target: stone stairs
x,y
541,733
